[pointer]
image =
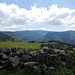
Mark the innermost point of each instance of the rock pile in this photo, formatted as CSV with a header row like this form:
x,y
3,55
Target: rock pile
x,y
50,58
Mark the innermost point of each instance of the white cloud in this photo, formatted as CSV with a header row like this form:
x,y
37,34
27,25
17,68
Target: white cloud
x,y
18,18
12,28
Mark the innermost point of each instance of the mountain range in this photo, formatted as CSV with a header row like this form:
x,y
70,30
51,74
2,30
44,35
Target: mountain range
x,y
5,37
39,35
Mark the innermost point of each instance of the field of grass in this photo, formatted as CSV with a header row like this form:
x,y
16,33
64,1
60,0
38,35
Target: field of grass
x,y
20,45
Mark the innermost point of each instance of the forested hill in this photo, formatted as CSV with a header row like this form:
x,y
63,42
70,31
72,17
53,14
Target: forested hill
x,y
5,37
27,35
66,36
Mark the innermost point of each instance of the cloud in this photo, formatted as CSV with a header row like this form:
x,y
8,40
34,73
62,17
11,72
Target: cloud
x,y
12,28
55,22
14,17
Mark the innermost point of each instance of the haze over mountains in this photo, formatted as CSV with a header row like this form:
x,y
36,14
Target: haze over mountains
x,y
38,35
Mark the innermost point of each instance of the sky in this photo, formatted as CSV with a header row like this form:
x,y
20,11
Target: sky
x,y
48,15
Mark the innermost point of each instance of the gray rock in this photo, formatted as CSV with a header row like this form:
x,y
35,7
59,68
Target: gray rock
x,y
4,56
52,55
51,51
56,50
70,52
1,67
45,48
51,68
3,62
14,61
14,49
18,54
30,63
41,51
37,68
9,49
33,53
26,51
13,54
25,58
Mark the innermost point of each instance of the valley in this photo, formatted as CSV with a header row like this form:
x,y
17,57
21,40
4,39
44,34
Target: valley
x,y
40,36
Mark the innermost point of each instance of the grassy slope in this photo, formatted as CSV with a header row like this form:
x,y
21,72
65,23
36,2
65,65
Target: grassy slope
x,y
20,45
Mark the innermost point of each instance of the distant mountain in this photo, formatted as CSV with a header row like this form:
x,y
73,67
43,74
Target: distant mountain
x,y
5,37
38,35
66,36
23,36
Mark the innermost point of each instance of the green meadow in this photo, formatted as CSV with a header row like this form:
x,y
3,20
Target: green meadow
x,y
20,45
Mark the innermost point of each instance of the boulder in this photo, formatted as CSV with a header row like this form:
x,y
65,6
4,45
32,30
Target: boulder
x,y
13,54
14,49
25,58
51,51
37,68
26,51
18,54
4,57
33,53
70,53
45,48
51,68
9,50
41,51
14,61
1,67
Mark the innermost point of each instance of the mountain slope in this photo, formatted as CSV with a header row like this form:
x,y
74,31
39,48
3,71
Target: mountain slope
x,y
38,35
67,36
27,35
5,37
